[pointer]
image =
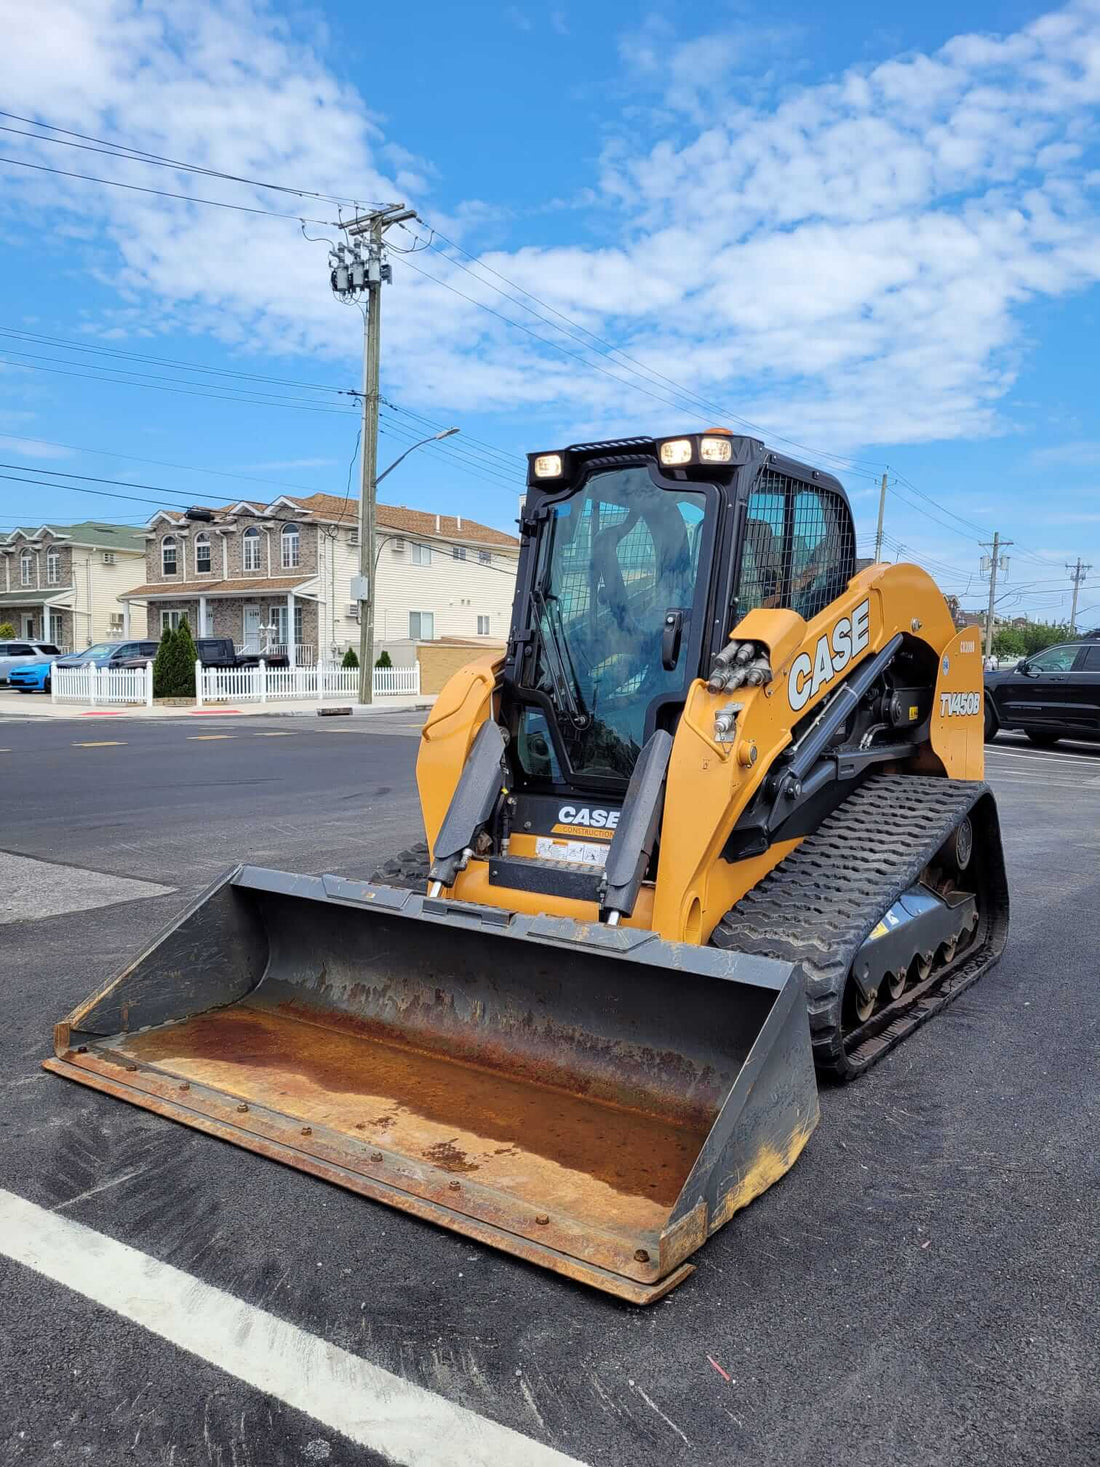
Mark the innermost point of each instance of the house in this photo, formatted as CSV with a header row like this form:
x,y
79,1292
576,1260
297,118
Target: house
x,y
62,583
278,576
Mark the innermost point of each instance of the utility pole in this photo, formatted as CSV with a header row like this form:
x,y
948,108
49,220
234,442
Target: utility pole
x,y
1077,575
881,514
358,268
993,563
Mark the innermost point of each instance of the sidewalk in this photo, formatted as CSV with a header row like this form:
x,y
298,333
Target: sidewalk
x,y
39,705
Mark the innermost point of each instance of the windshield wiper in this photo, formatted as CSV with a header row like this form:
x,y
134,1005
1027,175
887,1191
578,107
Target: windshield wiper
x,y
559,663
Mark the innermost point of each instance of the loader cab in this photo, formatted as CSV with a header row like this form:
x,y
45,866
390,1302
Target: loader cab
x,y
639,557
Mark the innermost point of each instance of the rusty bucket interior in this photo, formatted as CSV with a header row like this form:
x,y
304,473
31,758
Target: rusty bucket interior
x,y
590,1098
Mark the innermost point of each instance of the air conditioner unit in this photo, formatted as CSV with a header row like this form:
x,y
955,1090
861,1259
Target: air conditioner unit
x,y
108,557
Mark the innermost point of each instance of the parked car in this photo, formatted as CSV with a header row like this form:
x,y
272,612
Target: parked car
x,y
1053,695
15,654
111,654
30,677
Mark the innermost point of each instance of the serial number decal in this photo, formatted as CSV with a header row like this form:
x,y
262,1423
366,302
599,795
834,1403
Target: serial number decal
x,y
571,850
966,646
963,705
832,655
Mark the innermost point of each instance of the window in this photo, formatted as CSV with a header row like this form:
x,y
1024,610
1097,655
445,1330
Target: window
x,y
1092,659
797,549
483,626
26,569
291,542
168,555
251,551
278,616
53,567
421,554
458,552
116,624
421,626
170,619
484,557
202,554
1055,659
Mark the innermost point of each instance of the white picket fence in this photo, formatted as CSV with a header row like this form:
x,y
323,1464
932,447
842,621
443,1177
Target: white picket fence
x,y
265,684
262,684
97,685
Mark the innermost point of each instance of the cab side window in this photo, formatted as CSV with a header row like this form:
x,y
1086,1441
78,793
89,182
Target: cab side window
x,y
1055,659
798,550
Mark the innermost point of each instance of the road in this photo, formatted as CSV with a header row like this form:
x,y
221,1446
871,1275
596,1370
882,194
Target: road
x,y
920,1289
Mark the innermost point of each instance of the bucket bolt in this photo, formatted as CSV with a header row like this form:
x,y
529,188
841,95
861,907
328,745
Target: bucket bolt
x,y
542,1219
455,1186
641,1256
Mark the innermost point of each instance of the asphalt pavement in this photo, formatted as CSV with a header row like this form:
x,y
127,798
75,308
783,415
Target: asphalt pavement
x,y
920,1289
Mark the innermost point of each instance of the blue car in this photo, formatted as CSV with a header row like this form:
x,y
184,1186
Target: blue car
x,y
30,677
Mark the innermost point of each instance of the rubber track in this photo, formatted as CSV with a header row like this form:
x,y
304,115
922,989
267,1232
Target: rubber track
x,y
407,870
822,901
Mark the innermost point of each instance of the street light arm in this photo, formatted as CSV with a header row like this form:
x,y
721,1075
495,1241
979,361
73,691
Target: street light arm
x,y
431,438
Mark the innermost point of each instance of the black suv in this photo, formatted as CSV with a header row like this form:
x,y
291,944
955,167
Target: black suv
x,y
1053,695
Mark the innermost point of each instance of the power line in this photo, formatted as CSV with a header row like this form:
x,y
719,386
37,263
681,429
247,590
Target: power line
x,y
139,155
67,343
163,193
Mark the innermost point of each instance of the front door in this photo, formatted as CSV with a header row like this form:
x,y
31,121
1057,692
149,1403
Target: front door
x,y
252,628
27,624
1042,697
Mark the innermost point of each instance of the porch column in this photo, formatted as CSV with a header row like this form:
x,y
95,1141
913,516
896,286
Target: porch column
x,y
46,621
291,647
126,620
202,616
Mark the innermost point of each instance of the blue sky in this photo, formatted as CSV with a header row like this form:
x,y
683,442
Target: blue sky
x,y
878,240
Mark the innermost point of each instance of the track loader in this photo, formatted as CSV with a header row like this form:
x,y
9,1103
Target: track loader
x,y
713,823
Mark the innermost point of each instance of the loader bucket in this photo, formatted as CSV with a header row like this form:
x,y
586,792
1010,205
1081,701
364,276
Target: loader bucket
x,y
587,1097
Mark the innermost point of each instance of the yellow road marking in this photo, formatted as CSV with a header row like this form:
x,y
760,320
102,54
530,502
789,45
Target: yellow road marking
x,y
101,744
200,738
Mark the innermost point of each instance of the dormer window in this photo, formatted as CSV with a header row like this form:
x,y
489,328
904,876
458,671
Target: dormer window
x,y
202,554
168,556
251,552
26,569
291,543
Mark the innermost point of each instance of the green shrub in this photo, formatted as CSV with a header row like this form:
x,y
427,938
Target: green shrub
x,y
174,665
383,659
7,631
162,664
350,659
184,656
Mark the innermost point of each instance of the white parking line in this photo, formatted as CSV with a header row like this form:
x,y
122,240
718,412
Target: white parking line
x,y
404,1422
1052,755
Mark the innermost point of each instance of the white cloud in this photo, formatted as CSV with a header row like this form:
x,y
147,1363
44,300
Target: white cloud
x,y
844,262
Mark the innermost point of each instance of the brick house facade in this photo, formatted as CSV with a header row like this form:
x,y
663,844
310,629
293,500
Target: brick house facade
x,y
278,576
